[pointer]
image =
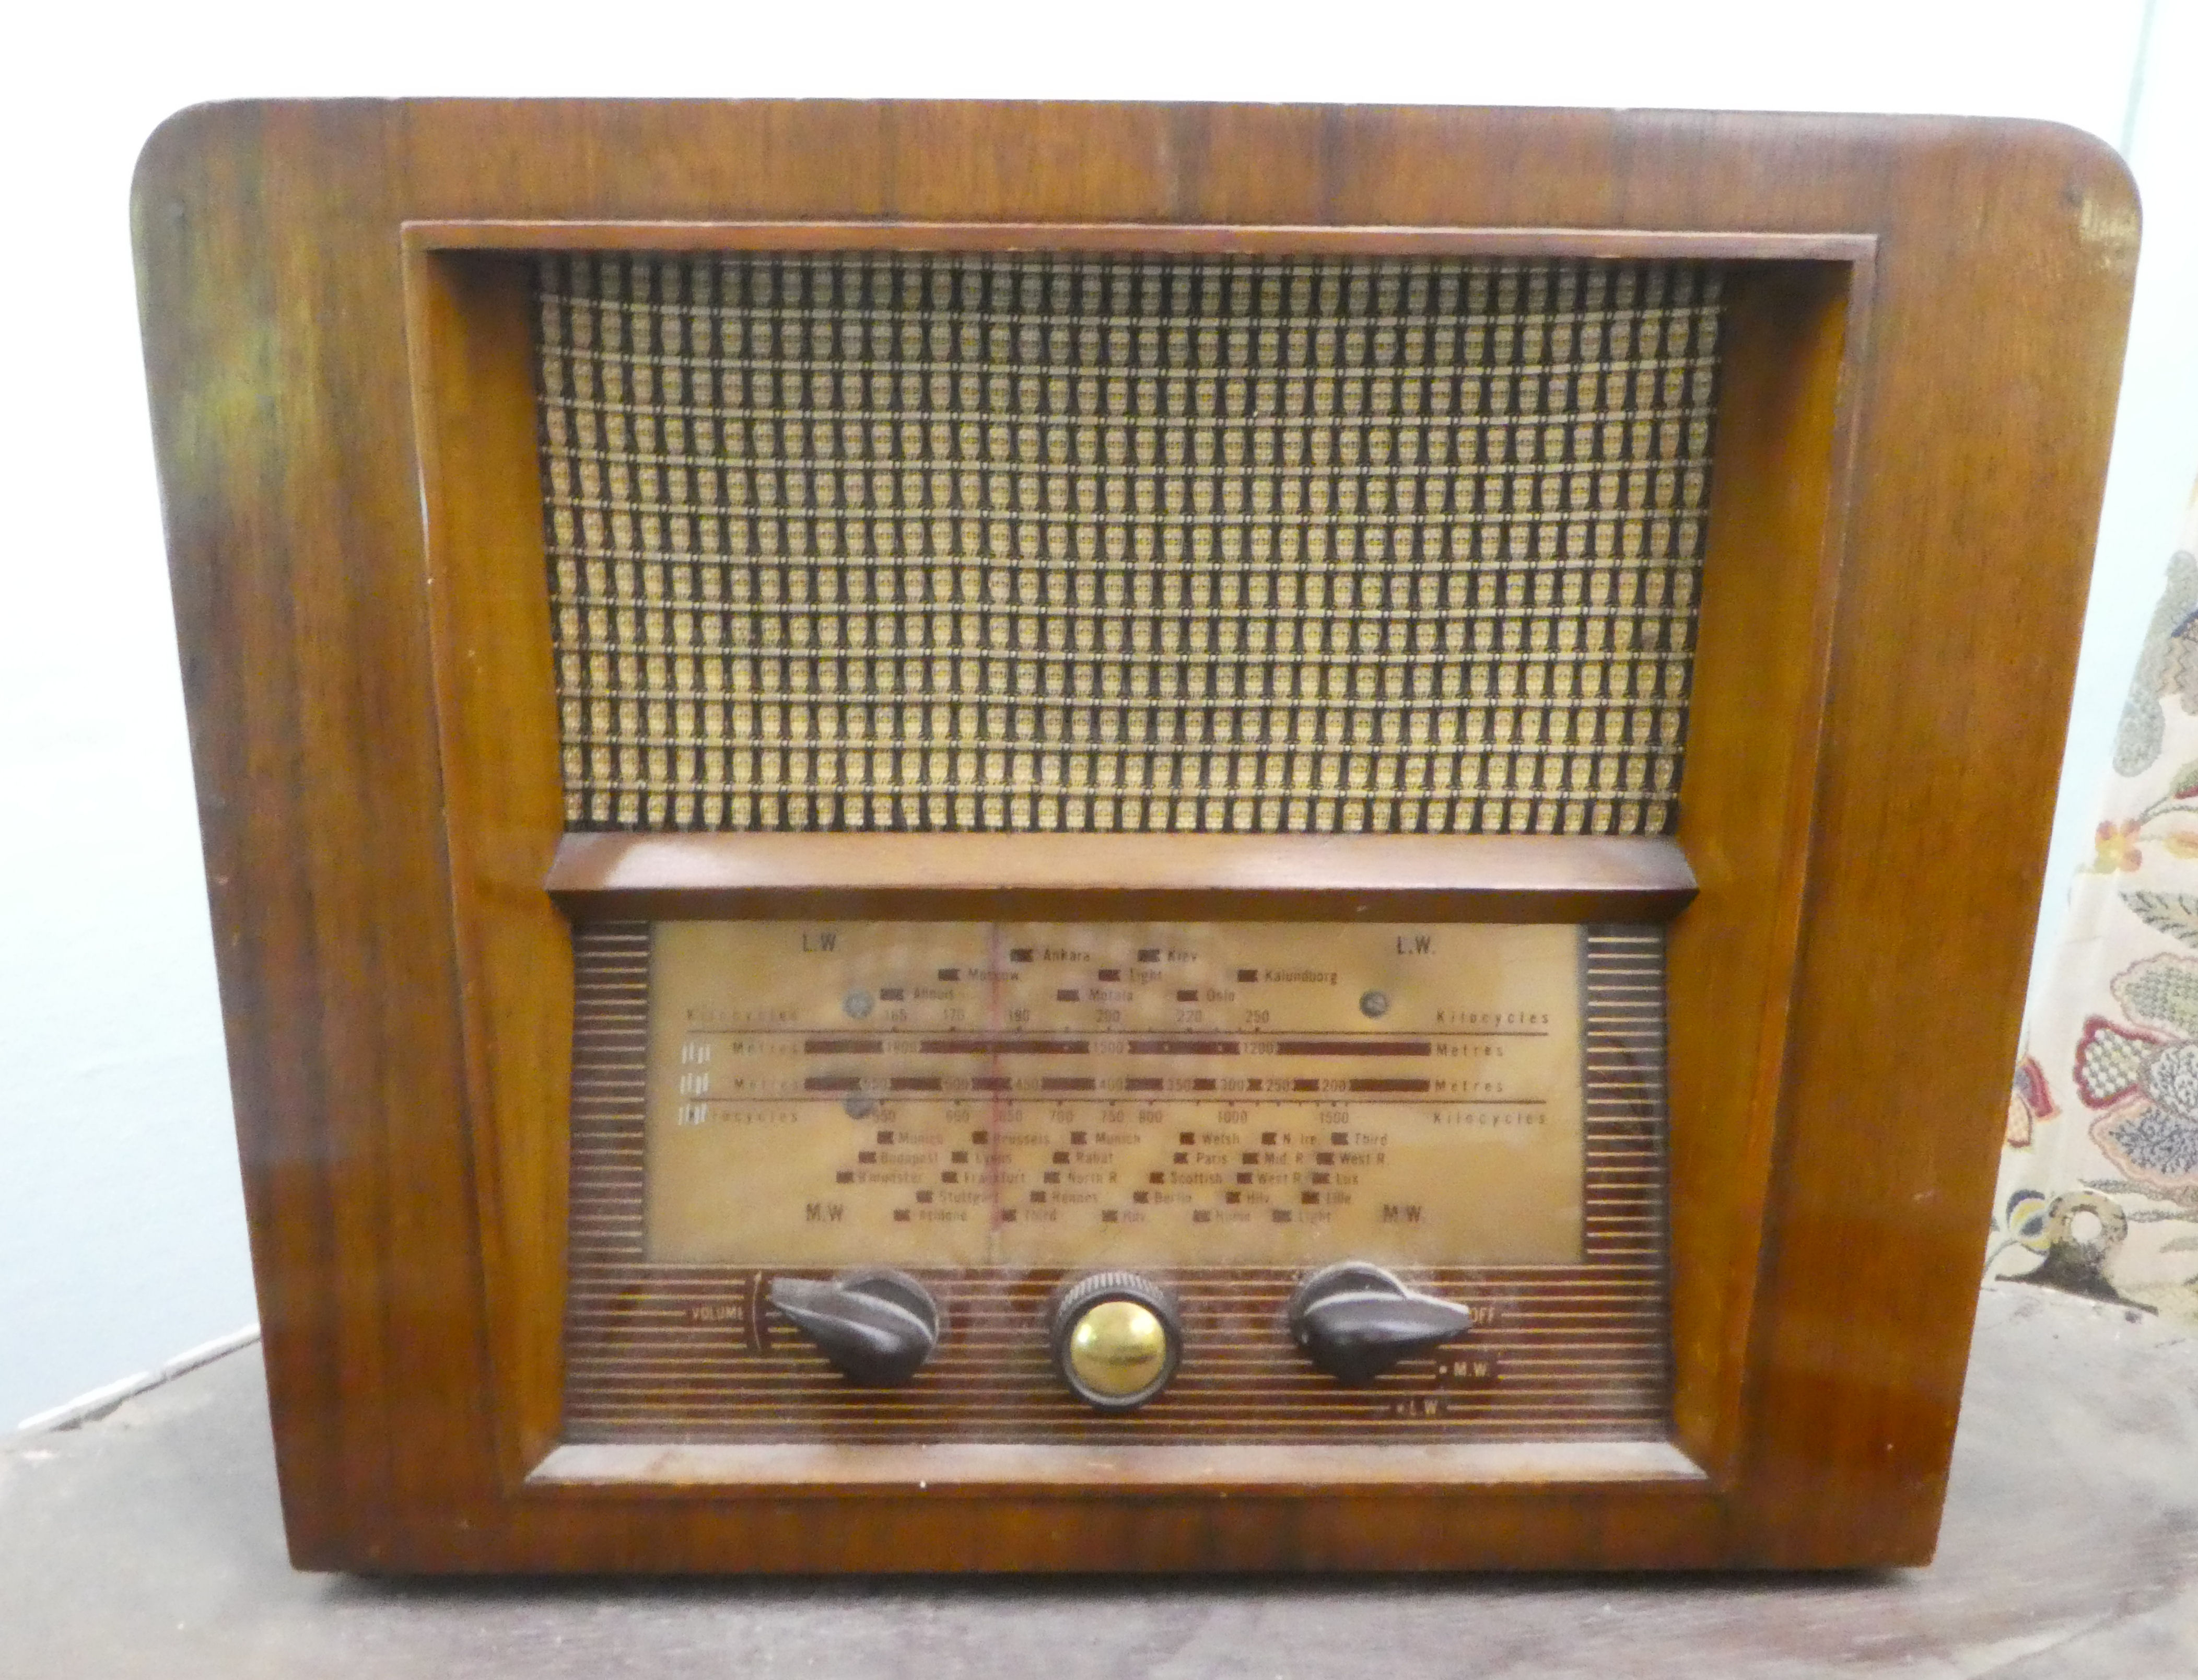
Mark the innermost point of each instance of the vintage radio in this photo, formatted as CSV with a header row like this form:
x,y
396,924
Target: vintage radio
x,y
1058,837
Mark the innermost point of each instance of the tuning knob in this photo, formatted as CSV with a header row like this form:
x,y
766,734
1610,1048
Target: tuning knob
x,y
1116,1338
878,1327
1354,1321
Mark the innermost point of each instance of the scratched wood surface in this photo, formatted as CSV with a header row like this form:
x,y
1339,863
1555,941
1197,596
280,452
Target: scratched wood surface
x,y
150,1542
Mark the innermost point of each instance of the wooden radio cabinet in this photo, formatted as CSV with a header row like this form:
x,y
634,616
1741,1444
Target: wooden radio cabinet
x,y
1053,837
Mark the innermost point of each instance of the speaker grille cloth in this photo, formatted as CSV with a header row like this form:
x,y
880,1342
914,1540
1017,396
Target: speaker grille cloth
x,y
1078,542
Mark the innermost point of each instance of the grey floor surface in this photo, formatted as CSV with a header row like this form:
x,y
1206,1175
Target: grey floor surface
x,y
147,1542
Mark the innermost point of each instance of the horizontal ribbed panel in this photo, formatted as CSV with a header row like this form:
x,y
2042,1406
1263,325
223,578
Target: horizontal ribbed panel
x,y
681,1352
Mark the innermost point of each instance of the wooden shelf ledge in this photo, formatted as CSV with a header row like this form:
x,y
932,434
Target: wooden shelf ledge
x,y
798,1468
1275,877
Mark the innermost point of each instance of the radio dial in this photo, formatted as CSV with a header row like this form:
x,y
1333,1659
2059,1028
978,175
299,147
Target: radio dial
x,y
1116,1339
1355,1321
877,1327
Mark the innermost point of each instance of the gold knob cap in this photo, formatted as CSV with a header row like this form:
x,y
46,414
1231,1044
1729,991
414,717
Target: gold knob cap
x,y
1118,1348
1116,1339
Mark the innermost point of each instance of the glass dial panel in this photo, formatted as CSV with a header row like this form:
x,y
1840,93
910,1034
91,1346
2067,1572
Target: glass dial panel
x,y
924,1093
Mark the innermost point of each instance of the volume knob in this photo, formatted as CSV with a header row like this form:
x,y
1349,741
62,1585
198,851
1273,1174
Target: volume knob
x,y
877,1327
1116,1338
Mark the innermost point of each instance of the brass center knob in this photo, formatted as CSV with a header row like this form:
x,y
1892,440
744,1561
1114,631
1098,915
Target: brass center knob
x,y
1116,1339
1118,1348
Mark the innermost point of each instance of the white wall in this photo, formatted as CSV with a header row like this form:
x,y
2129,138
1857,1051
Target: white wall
x,y
120,1228
2156,458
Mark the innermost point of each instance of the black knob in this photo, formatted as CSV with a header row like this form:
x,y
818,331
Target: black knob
x,y
1354,1321
878,1327
1116,1338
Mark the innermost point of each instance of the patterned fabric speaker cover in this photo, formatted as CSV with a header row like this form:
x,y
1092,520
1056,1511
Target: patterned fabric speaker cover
x,y
1134,543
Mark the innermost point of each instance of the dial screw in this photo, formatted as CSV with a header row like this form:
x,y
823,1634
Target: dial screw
x,y
860,1108
858,1004
1373,1004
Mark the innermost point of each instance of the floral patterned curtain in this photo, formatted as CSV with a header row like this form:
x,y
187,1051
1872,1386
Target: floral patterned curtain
x,y
2099,1181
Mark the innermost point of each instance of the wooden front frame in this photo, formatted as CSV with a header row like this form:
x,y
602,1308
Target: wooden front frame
x,y
341,367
